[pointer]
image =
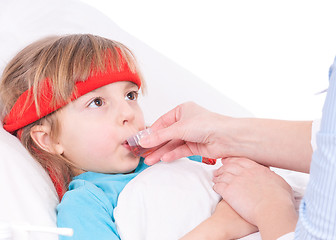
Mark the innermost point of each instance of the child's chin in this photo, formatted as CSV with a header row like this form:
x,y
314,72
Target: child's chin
x,y
132,165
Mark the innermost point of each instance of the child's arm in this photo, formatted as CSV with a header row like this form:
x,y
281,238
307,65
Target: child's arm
x,y
224,224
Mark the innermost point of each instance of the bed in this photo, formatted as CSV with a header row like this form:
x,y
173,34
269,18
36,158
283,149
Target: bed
x,y
28,197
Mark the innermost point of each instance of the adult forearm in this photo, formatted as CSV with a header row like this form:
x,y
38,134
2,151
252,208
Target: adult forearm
x,y
277,143
190,129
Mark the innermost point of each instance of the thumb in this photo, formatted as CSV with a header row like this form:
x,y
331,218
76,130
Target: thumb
x,y
161,136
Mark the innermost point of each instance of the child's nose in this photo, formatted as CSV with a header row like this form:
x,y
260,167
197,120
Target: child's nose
x,y
126,113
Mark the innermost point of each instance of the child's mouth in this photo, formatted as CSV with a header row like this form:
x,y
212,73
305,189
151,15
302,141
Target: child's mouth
x,y
135,150
126,145
134,145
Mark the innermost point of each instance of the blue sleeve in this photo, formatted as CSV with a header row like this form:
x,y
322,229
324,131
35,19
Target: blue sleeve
x,y
317,218
89,213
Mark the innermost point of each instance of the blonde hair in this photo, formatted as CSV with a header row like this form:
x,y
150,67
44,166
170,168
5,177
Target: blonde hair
x,y
64,60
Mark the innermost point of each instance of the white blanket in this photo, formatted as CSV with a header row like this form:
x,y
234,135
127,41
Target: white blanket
x,y
168,200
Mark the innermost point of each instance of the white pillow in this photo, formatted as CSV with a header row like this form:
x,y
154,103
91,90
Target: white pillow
x,y
27,193
166,201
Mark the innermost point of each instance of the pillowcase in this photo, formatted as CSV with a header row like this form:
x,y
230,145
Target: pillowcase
x,y
27,193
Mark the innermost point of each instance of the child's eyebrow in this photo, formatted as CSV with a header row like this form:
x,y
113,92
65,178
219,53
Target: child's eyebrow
x,y
92,92
130,84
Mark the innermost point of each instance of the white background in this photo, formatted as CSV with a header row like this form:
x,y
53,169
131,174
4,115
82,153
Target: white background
x,y
269,56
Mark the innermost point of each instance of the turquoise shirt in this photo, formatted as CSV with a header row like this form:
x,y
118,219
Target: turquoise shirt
x,y
87,207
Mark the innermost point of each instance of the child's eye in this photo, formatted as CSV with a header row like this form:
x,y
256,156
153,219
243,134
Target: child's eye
x,y
97,102
132,96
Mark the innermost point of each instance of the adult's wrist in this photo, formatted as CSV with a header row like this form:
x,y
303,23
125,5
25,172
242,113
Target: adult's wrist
x,y
237,136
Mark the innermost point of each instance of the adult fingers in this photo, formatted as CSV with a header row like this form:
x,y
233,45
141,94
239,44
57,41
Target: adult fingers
x,y
167,119
187,109
161,136
156,156
179,152
172,126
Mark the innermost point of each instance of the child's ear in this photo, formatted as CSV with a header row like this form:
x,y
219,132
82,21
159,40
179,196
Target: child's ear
x,y
41,136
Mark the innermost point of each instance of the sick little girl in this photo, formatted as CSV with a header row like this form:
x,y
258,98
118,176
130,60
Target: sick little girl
x,y
72,101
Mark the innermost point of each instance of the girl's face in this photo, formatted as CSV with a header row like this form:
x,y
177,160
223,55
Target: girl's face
x,y
94,129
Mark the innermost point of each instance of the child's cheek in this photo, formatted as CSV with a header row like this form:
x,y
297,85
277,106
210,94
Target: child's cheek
x,y
103,140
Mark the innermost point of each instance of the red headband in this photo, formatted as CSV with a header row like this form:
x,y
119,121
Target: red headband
x,y
19,117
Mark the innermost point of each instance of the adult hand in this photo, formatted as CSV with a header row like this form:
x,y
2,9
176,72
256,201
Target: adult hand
x,y
186,130
257,194
190,129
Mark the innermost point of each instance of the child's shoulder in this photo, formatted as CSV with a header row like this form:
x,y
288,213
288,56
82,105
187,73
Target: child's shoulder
x,y
85,200
83,193
83,187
